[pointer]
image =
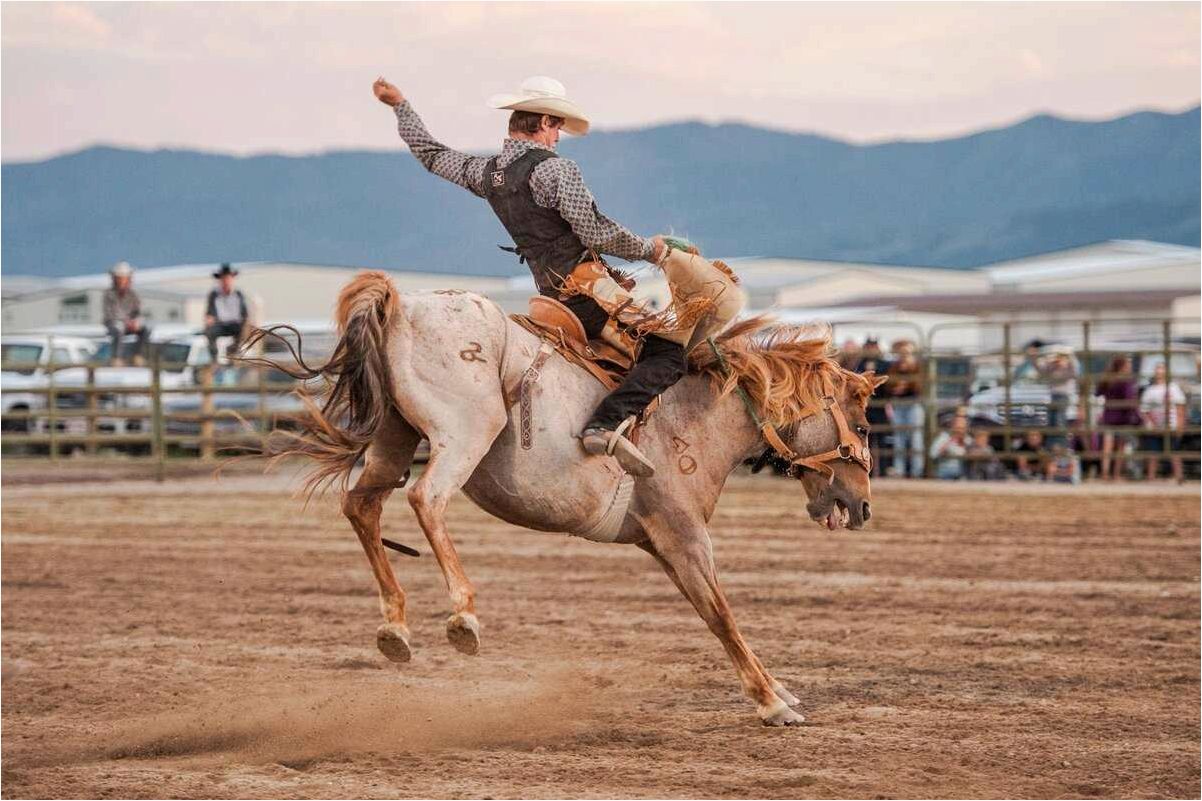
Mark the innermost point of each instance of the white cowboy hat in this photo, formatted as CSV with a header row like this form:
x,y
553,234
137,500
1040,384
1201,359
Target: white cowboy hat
x,y
545,96
122,268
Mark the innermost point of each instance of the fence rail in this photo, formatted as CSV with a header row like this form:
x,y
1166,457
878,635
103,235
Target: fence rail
x,y
198,410
190,410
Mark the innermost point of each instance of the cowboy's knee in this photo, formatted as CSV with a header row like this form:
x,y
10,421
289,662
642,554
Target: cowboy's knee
x,y
668,357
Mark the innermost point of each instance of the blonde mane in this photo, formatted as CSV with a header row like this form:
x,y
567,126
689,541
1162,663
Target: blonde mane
x,y
781,367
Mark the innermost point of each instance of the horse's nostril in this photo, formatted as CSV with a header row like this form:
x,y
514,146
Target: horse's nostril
x,y
867,511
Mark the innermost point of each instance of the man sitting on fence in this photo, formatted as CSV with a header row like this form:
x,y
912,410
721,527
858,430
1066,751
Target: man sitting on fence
x,y
225,312
123,314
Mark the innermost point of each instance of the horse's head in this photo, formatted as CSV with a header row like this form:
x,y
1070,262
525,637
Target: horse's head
x,y
838,488
811,412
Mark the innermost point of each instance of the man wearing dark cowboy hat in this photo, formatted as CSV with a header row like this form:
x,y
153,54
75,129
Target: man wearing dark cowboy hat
x,y
225,311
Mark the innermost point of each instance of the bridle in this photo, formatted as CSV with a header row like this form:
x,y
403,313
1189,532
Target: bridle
x,y
851,448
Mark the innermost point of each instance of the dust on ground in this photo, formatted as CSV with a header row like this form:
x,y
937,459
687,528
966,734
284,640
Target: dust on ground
x,y
202,639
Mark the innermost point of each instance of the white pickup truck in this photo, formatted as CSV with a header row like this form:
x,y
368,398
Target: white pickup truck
x,y
25,360
30,356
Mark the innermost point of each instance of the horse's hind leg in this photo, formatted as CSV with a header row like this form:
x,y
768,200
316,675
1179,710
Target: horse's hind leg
x,y
778,688
456,448
388,458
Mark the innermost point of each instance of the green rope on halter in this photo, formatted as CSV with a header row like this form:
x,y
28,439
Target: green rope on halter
x,y
755,417
677,243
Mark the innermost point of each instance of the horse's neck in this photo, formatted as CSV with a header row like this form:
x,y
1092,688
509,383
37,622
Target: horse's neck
x,y
726,432
713,432
730,435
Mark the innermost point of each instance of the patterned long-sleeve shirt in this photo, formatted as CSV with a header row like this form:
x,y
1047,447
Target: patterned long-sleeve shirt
x,y
555,183
121,307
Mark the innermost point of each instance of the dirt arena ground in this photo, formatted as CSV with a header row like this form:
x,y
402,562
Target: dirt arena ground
x,y
212,639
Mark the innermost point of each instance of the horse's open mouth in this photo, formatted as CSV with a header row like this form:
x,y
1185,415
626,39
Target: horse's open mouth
x,y
838,516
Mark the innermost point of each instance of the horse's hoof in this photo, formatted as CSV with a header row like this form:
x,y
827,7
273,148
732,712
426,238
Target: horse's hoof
x,y
393,641
463,630
789,698
779,714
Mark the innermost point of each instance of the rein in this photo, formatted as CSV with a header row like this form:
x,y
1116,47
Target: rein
x,y
850,448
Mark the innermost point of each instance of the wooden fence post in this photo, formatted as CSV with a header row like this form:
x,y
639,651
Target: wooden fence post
x,y
930,418
91,406
158,447
1006,378
206,410
1167,441
264,422
1086,378
52,403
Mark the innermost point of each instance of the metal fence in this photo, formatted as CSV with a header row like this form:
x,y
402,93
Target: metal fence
x,y
968,371
978,383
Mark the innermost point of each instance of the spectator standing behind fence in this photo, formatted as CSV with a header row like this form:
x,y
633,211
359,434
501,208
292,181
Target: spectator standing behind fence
x,y
904,391
1121,408
123,314
1159,399
949,449
873,359
1059,372
225,313
849,354
1028,369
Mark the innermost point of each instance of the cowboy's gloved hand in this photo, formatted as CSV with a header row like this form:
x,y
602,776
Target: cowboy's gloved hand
x,y
386,93
660,249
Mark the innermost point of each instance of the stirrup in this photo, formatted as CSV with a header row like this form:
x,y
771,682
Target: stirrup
x,y
618,434
629,457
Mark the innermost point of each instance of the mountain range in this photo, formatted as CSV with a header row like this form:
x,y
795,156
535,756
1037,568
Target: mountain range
x,y
1043,184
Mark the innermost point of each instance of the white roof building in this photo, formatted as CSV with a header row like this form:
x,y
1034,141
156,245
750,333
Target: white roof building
x,y
274,290
1128,287
1132,284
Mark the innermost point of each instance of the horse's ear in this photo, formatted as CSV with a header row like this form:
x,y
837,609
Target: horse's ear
x,y
875,380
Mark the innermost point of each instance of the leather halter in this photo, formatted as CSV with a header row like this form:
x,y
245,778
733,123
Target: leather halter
x,y
851,448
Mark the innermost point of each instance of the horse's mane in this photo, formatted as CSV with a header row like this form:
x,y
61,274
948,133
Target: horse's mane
x,y
781,367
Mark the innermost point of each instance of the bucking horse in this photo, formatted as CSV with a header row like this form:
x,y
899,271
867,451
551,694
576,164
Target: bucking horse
x,y
447,366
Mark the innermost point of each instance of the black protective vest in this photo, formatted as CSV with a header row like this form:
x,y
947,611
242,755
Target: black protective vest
x,y
544,239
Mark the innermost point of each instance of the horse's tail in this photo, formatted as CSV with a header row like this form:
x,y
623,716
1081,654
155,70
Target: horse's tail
x,y
336,432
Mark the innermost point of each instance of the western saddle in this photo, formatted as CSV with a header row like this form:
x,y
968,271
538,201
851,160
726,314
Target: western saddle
x,y
607,358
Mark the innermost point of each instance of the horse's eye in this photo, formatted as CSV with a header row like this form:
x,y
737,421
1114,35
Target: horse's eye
x,y
862,430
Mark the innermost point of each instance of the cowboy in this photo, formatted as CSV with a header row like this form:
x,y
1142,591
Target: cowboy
x,y
543,203
225,311
123,314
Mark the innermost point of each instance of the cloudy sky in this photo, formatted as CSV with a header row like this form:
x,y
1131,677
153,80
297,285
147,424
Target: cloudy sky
x,y
295,78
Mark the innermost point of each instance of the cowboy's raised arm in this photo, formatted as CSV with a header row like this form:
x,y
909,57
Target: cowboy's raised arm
x,y
557,184
458,168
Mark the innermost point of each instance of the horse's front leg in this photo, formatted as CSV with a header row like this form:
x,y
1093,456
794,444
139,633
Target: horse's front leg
x,y
778,688
688,558
388,459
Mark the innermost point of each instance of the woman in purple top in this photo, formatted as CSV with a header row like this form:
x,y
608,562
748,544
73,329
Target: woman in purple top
x,y
1121,391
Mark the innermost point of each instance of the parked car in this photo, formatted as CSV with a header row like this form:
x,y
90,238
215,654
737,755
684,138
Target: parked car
x,y
25,363
239,412
1029,400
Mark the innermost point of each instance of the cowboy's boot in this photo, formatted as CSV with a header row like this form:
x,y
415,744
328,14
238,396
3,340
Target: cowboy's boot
x,y
597,441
